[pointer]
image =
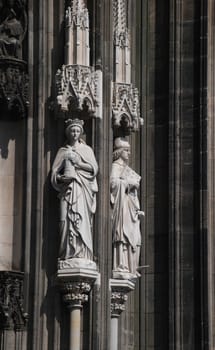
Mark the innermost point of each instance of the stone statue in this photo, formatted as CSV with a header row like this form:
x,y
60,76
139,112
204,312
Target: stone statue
x,y
12,30
74,177
124,184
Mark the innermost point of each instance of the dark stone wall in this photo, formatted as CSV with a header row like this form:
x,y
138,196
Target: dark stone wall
x,y
173,82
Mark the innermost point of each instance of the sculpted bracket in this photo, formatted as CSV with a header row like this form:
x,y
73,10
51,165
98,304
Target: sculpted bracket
x,y
12,314
14,88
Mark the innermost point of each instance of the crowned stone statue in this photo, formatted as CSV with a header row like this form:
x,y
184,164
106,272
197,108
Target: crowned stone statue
x,y
125,213
74,177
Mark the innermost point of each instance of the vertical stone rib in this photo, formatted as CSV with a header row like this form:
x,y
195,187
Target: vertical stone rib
x,y
211,169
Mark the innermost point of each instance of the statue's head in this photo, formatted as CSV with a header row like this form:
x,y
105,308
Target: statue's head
x,y
74,128
121,149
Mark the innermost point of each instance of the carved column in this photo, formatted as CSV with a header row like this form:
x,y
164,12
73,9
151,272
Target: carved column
x,y
13,318
119,295
75,285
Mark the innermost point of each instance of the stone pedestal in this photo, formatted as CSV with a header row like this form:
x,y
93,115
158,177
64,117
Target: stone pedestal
x,y
119,295
75,278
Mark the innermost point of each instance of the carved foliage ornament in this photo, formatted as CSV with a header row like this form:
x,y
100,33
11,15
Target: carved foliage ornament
x,y
118,300
74,292
12,315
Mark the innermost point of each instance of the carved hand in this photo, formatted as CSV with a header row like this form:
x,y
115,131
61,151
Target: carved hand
x,y
75,158
141,213
64,179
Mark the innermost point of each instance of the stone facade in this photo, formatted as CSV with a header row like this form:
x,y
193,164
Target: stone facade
x,y
139,70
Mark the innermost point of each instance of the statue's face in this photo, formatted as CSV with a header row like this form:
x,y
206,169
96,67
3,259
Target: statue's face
x,y
125,153
74,133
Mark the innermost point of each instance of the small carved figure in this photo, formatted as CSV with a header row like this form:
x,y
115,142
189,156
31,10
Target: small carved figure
x,y
126,212
12,29
74,177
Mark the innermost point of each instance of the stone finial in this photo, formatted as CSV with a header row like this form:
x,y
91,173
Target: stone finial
x,y
77,50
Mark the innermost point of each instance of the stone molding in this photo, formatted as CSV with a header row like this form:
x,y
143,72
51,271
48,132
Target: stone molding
x,y
12,314
76,263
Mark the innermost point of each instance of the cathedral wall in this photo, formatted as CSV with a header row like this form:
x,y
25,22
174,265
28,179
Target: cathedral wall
x,y
173,301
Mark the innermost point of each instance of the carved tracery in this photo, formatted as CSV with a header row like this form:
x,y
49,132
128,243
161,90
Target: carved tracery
x,y
78,84
125,103
12,314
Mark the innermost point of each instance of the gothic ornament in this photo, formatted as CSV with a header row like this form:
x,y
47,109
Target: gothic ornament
x,y
119,296
78,85
75,292
118,300
126,114
12,315
14,84
125,97
13,70
78,90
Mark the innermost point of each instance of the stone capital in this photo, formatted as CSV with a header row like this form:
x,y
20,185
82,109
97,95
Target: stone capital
x,y
119,295
75,280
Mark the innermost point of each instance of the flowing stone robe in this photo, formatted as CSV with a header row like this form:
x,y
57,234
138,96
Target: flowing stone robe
x,y
11,31
77,201
125,218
